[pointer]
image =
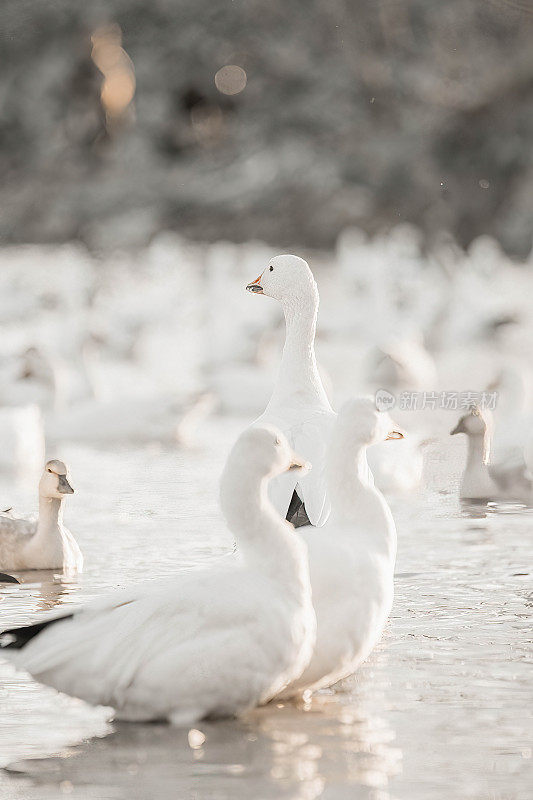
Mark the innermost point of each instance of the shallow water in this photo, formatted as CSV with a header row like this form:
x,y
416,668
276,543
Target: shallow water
x,y
439,710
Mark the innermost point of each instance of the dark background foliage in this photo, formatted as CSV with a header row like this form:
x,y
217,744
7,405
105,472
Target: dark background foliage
x,y
365,112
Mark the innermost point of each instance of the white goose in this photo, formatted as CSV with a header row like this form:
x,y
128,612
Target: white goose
x,y
22,442
299,405
46,543
476,482
512,428
210,643
480,481
352,558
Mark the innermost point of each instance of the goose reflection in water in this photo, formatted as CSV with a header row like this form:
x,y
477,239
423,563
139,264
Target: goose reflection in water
x,y
273,754
36,590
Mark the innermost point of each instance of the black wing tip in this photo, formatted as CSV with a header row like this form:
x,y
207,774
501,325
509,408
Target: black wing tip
x,y
5,578
296,514
17,638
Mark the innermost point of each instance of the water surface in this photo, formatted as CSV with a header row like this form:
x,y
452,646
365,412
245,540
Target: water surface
x,y
439,711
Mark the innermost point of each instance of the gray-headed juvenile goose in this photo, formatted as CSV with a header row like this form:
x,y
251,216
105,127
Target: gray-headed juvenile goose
x,y
46,543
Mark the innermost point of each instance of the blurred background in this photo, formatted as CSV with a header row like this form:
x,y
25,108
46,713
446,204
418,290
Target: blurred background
x,y
259,119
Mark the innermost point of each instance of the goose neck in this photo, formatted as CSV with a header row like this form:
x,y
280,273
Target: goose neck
x,y
262,537
478,451
50,518
298,372
357,505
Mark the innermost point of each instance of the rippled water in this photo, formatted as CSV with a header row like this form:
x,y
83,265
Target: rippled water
x,y
439,711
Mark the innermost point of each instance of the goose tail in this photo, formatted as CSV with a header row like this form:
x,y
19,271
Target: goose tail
x,y
5,578
17,638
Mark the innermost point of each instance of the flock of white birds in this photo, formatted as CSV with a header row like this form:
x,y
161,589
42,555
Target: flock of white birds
x,y
141,349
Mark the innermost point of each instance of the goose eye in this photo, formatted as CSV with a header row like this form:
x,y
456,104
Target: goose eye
x,y
278,441
49,470
271,269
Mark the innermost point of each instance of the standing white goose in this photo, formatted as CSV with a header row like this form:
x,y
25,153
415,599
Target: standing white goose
x,y
45,544
352,559
211,642
299,405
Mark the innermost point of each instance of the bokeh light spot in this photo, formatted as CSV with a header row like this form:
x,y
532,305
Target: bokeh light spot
x,y
118,86
230,79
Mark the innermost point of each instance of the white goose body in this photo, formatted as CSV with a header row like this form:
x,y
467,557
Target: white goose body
x,y
299,405
352,559
211,642
45,543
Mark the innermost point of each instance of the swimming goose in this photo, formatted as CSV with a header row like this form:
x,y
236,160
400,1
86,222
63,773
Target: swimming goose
x,y
352,558
45,544
482,480
476,482
299,405
209,643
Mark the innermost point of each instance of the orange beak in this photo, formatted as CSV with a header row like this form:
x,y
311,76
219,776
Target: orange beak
x,y
255,286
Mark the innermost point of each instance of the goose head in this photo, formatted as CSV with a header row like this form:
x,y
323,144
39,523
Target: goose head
x,y
287,278
474,423
360,422
260,453
54,483
36,366
267,453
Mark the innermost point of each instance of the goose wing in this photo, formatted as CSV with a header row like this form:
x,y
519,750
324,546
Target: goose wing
x,y
311,440
98,652
14,534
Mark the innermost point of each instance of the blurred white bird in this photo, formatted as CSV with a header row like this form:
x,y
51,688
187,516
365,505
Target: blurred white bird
x,y
481,481
513,427
22,442
476,482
